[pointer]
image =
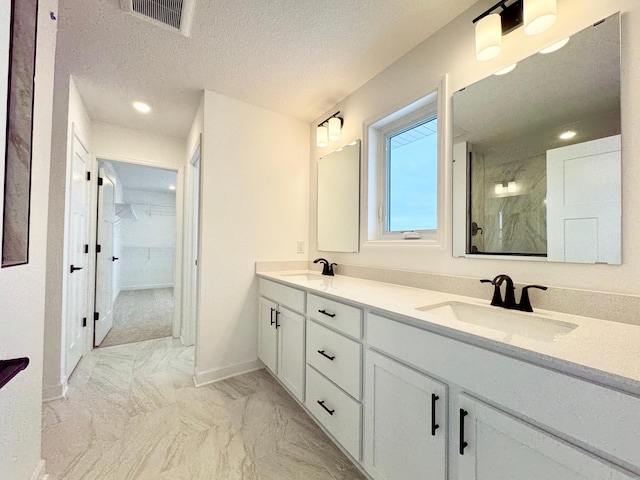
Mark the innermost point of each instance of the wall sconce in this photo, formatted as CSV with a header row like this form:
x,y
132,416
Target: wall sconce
x,y
536,16
503,188
329,129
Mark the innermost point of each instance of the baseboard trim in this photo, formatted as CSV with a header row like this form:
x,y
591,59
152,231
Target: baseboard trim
x,y
39,473
147,287
217,374
56,392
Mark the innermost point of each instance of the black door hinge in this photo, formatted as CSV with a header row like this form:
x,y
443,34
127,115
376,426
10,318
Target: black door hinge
x,y
96,315
98,248
100,180
88,176
86,248
84,321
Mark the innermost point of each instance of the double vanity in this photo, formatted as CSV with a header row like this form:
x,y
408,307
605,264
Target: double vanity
x,y
417,384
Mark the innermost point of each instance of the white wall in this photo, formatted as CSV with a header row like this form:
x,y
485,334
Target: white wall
x,y
255,182
148,245
451,51
22,288
112,142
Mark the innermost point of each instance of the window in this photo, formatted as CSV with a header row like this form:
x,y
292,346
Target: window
x,y
403,181
412,187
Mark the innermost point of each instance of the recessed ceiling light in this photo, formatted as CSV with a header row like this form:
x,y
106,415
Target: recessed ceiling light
x,y
141,107
556,46
506,70
172,187
567,135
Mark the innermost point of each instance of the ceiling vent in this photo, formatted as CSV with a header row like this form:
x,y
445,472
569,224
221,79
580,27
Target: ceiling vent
x,y
173,14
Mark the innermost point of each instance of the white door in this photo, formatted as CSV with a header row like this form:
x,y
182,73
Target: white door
x,y
290,326
268,335
584,202
498,446
76,307
195,249
105,257
405,422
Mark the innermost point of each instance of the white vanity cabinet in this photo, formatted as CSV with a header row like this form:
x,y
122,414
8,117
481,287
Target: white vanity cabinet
x,y
570,423
499,446
405,433
334,370
281,334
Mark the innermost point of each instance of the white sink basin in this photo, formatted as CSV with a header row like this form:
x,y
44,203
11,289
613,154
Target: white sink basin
x,y
508,321
304,277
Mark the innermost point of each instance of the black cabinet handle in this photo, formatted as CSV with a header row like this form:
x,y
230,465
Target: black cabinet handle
x,y
321,352
463,444
324,312
321,403
277,313
272,310
434,425
73,269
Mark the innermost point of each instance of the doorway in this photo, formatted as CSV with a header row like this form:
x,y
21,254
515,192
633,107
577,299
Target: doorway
x,y
135,253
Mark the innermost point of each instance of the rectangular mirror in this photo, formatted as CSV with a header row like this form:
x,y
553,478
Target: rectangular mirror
x,y
537,155
339,200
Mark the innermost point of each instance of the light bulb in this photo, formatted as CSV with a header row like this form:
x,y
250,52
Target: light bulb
x,y
488,37
322,136
335,124
539,15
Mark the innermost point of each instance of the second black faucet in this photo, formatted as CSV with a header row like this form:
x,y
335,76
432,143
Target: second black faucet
x,y
509,294
327,268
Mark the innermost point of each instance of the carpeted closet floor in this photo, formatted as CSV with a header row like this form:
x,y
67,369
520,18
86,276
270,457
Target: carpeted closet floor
x,y
140,315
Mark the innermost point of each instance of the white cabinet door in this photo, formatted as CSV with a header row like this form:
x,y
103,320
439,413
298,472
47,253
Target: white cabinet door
x,y
268,335
290,326
404,422
499,446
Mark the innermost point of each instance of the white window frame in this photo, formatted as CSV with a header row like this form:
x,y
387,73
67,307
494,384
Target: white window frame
x,y
377,133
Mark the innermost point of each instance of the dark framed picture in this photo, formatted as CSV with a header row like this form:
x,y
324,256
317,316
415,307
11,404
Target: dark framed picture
x,y
19,132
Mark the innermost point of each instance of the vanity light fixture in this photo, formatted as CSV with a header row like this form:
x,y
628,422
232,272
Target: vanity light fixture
x,y
503,188
141,107
568,135
506,16
329,129
506,70
555,47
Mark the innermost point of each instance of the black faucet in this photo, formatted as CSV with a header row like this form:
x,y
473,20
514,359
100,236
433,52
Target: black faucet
x,y
327,268
509,295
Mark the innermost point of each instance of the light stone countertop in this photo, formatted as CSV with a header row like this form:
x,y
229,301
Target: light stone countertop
x,y
599,351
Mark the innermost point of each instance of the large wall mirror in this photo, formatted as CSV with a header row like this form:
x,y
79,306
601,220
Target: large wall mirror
x,y
339,200
537,155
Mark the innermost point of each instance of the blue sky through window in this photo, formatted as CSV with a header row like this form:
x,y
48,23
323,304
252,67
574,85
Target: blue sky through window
x,y
412,179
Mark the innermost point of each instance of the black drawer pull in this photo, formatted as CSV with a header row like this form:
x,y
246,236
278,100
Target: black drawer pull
x,y
277,313
321,403
463,444
272,310
434,425
321,352
324,312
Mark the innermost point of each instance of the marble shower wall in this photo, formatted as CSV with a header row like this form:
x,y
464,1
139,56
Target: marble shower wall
x,y
511,222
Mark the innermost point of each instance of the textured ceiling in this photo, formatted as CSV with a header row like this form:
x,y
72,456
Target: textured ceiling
x,y
296,57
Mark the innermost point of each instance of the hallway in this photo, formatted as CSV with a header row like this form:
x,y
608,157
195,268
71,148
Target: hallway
x,y
132,412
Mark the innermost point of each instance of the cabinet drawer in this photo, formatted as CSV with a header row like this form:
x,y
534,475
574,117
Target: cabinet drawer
x,y
286,296
337,315
343,366
578,410
344,421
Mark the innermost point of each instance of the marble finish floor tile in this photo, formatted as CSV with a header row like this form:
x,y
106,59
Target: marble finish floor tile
x,y
133,412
